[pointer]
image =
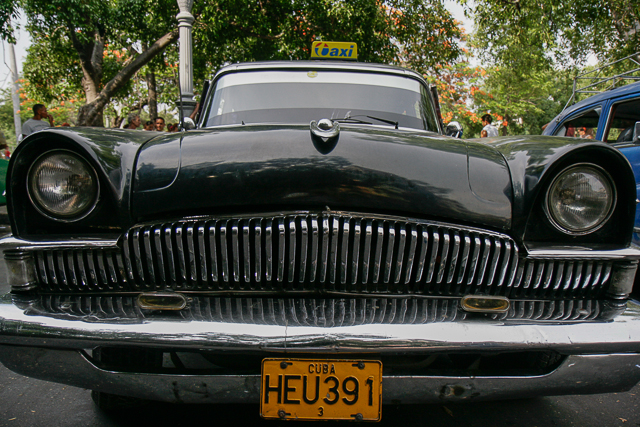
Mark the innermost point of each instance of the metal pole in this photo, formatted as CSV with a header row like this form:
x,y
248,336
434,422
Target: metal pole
x,y
185,23
15,87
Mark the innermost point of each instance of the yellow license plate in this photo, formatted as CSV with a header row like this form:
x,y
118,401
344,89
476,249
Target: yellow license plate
x,y
306,389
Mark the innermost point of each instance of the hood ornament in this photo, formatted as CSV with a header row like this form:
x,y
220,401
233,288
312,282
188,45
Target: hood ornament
x,y
325,134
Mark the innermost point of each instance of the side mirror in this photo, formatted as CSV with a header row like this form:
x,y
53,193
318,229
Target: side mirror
x,y
188,123
636,133
454,129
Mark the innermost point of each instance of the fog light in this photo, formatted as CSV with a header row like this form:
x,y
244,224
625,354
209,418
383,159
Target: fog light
x,y
21,270
485,303
162,301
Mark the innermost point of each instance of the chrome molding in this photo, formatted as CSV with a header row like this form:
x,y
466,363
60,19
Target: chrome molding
x,y
19,326
322,312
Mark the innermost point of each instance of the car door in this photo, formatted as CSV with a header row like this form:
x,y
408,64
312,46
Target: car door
x,y
622,115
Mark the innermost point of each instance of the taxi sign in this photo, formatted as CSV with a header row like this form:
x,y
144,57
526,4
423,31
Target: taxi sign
x,y
334,50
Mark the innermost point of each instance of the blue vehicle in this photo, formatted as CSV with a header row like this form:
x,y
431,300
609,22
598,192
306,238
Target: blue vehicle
x,y
612,117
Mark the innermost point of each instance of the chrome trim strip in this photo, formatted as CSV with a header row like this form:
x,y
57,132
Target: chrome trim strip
x,y
246,253
258,252
191,254
333,251
292,250
535,252
182,264
157,238
355,261
281,248
214,252
202,253
622,334
235,254
149,254
344,252
304,239
224,259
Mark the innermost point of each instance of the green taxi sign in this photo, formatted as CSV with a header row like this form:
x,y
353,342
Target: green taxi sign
x,y
334,50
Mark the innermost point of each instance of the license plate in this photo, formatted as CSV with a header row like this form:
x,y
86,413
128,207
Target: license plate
x,y
306,389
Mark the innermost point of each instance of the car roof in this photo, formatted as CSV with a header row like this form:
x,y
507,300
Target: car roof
x,y
319,65
614,93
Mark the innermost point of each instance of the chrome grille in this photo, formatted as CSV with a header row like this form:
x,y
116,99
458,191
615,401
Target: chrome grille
x,y
329,252
308,311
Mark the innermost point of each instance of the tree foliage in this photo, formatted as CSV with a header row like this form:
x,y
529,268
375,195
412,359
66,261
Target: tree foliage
x,y
8,12
87,44
529,34
409,32
81,37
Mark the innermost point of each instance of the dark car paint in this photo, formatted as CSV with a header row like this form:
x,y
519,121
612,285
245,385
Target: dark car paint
x,y
239,169
371,168
112,152
532,159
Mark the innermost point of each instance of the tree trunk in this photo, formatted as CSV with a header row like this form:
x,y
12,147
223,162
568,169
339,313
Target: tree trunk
x,y
91,57
153,95
90,114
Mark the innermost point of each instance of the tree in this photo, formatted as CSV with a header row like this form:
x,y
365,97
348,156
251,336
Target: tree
x,y
87,28
534,33
96,46
409,32
8,12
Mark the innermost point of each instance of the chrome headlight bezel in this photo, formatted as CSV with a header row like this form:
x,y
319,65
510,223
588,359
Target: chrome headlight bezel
x,y
38,201
603,177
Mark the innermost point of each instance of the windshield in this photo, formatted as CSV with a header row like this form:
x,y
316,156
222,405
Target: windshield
x,y
303,96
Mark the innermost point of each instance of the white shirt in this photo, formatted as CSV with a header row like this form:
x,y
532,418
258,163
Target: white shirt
x,y
491,130
31,126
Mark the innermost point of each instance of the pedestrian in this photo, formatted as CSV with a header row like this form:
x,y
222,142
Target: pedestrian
x,y
491,129
4,147
160,124
148,125
36,123
133,121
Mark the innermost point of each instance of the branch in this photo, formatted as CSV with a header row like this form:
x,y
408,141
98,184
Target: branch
x,y
94,108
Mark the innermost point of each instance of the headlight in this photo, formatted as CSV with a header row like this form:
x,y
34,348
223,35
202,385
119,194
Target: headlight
x,y
580,199
63,186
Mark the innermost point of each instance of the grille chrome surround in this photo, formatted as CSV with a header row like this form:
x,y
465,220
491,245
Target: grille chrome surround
x,y
317,312
319,253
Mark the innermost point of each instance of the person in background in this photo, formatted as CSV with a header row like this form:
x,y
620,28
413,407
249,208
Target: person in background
x,y
160,124
491,129
148,125
133,121
4,147
36,123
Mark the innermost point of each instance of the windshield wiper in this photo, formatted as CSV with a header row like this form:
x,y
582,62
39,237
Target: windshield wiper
x,y
351,120
354,120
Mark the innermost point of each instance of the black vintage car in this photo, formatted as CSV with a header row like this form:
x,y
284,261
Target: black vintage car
x,y
318,245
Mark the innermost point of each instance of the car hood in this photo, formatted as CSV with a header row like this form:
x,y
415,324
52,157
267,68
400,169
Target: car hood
x,y
267,168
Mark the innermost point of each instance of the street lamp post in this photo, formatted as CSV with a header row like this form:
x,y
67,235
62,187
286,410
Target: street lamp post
x,y
185,23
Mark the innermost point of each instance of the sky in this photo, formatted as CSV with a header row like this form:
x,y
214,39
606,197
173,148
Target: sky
x,y
24,41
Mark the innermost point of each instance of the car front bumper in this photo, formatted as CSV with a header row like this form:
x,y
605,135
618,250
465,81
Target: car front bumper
x,y
601,356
